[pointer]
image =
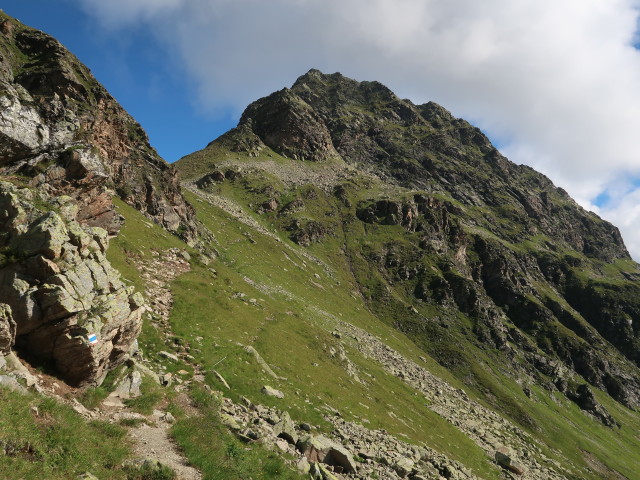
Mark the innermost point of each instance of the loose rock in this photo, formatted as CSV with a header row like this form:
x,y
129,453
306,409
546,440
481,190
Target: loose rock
x,y
272,392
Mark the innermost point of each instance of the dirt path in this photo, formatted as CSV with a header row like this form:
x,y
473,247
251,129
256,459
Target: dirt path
x,y
151,439
154,443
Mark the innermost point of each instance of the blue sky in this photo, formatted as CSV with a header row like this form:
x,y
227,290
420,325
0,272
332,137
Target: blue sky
x,y
555,82
137,71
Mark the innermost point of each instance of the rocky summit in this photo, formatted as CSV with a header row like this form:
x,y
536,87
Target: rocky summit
x,y
345,286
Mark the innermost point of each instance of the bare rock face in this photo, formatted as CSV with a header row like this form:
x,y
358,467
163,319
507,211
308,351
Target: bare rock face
x,y
7,329
287,124
60,298
61,129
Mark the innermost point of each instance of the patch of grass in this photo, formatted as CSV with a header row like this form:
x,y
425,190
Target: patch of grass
x,y
132,422
152,393
49,440
218,454
93,396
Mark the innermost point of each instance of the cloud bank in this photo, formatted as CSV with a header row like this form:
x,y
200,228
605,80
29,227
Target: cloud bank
x,y
556,84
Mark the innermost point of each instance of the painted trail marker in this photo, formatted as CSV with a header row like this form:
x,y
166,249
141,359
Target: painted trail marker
x,y
93,339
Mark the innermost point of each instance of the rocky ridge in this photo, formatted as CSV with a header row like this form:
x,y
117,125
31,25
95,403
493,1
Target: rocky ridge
x,y
61,129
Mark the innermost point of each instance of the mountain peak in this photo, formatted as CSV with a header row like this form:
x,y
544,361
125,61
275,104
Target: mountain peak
x,y
428,206
315,75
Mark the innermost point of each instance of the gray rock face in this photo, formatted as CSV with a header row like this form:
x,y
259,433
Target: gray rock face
x,y
129,387
286,123
286,429
7,329
66,302
11,383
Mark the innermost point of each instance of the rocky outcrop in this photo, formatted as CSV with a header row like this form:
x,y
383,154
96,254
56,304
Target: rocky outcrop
x,y
505,459
63,131
585,399
7,329
64,302
288,125
307,232
493,284
320,449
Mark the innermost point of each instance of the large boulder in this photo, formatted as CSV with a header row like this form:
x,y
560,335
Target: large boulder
x,y
64,302
272,392
286,429
318,448
505,458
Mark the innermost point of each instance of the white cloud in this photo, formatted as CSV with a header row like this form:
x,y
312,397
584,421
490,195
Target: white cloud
x,y
625,214
558,80
117,13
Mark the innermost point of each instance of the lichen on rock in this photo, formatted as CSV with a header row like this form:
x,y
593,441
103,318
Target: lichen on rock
x,y
59,291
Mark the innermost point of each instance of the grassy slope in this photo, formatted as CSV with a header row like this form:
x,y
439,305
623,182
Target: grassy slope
x,y
560,424
290,327
206,442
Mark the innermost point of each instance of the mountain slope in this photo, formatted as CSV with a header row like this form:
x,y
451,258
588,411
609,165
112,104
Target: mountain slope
x,y
485,265
495,241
